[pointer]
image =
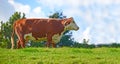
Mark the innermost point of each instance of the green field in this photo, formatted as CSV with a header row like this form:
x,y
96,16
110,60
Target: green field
x,y
60,56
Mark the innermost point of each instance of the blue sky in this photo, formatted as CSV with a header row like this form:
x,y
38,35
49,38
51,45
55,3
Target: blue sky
x,y
99,20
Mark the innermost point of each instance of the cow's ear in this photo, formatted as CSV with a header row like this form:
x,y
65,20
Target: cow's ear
x,y
71,18
67,22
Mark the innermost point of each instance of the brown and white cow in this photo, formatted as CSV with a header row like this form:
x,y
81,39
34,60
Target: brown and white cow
x,y
50,30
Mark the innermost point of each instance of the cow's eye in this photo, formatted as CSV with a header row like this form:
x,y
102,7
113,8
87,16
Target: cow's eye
x,y
67,23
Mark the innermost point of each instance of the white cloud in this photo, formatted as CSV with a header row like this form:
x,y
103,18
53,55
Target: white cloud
x,y
58,3
20,7
86,33
72,12
102,2
88,17
103,17
36,12
51,3
107,2
5,10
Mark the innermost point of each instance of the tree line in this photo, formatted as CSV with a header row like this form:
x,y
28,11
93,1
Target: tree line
x,y
66,40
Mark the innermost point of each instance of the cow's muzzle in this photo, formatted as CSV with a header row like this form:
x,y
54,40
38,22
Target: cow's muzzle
x,y
77,29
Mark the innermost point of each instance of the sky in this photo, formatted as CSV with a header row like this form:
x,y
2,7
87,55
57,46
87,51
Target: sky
x,y
99,20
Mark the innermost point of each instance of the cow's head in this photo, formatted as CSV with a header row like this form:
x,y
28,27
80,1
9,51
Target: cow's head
x,y
70,24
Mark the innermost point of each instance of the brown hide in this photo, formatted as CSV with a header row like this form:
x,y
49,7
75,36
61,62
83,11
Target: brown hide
x,y
39,28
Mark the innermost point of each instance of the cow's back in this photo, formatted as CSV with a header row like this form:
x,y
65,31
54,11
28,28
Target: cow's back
x,y
36,25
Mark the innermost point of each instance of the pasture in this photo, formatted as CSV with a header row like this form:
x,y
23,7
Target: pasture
x,y
63,55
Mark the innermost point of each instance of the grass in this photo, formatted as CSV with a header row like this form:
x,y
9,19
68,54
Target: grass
x,y
60,56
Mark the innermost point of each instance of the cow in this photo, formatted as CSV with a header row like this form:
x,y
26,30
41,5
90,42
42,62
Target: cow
x,y
43,29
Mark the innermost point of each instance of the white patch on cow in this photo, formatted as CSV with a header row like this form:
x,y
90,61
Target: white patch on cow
x,y
71,26
29,36
56,38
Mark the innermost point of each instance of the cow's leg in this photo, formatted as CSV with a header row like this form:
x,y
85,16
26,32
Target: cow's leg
x,y
47,44
49,40
53,45
22,42
20,35
18,44
26,41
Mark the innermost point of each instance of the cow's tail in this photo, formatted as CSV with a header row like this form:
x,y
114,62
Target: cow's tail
x,y
12,38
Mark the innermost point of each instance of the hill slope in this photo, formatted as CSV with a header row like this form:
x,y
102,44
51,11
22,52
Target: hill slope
x,y
60,56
